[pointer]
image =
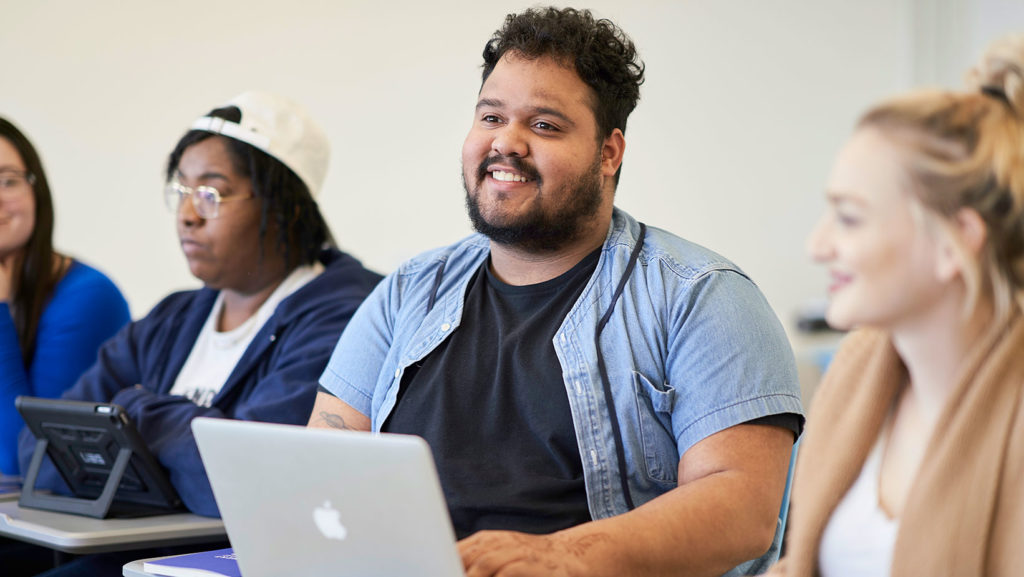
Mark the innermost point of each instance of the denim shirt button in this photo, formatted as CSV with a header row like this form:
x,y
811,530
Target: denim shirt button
x,y
398,372
445,327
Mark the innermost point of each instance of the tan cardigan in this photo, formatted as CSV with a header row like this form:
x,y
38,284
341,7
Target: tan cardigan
x,y
964,515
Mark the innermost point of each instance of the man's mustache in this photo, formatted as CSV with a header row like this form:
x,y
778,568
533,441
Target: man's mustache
x,y
514,162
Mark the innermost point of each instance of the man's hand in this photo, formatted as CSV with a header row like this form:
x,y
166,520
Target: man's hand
x,y
511,554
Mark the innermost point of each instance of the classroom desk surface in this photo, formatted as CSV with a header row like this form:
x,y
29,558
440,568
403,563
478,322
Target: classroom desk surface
x,y
77,534
10,487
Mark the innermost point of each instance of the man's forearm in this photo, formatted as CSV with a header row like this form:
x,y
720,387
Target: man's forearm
x,y
723,513
704,528
330,412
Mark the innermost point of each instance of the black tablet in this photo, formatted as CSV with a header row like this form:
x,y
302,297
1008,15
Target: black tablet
x,y
101,457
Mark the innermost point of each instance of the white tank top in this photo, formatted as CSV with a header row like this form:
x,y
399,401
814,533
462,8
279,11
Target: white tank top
x,y
859,537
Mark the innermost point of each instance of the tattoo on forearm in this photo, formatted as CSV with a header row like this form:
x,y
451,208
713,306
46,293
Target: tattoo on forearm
x,y
334,421
579,547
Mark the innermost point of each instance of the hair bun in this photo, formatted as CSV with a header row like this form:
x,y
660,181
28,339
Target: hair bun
x,y
1001,71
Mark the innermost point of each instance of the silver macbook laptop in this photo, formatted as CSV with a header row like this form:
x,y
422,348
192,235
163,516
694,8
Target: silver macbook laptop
x,y
314,502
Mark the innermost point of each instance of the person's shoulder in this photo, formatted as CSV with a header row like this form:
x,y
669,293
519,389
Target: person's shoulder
x,y
686,259
341,267
858,351
467,251
863,341
342,286
182,302
82,276
83,283
859,346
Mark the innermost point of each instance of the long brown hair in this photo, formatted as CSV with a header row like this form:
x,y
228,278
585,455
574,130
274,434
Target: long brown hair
x,y
37,276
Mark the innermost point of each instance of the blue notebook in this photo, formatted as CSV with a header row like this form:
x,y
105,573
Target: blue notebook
x,y
219,563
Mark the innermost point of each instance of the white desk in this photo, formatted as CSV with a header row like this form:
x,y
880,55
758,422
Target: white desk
x,y
77,534
10,487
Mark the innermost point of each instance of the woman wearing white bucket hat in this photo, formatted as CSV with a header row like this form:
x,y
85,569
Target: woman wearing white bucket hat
x,y
277,293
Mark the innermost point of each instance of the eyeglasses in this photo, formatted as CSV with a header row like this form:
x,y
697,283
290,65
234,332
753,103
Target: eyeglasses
x,y
13,182
205,199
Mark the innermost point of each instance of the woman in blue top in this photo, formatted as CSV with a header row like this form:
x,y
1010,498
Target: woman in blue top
x,y
55,312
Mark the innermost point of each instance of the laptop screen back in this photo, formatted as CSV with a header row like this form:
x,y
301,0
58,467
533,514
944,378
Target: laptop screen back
x,y
298,501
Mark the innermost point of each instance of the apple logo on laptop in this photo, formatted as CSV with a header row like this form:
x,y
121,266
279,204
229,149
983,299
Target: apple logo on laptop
x,y
328,521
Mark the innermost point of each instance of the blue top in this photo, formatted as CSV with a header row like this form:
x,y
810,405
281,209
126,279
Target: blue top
x,y
86,309
274,381
692,348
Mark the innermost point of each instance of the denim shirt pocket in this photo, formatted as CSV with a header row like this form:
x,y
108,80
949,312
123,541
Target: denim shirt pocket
x,y
654,414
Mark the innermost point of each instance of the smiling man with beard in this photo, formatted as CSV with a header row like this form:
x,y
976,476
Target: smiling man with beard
x,y
536,231
601,398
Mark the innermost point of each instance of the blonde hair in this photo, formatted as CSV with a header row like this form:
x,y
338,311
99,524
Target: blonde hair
x,y
966,150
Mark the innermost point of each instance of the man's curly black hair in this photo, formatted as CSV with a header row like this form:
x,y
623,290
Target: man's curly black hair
x,y
598,50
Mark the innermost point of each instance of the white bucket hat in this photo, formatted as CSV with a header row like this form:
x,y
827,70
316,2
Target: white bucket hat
x,y
281,128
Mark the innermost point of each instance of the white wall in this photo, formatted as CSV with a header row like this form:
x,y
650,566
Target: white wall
x,y
989,19
745,105
951,35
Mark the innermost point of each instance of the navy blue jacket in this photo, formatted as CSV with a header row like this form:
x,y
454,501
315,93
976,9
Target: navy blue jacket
x,y
274,381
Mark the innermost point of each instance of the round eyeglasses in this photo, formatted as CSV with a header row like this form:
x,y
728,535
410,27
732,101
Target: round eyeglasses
x,y
206,200
13,182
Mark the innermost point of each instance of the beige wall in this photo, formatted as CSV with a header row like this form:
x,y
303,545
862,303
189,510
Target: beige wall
x,y
745,105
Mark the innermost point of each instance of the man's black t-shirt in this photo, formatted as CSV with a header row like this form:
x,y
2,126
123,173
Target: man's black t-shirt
x,y
492,404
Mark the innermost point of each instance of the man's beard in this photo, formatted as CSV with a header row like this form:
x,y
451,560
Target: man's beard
x,y
537,230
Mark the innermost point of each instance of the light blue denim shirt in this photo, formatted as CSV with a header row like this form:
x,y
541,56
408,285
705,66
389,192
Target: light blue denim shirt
x,y
692,348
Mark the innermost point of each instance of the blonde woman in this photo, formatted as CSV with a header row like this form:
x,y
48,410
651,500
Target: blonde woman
x,y
913,458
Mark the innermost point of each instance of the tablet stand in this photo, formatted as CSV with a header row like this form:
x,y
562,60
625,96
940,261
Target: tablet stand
x,y
98,507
